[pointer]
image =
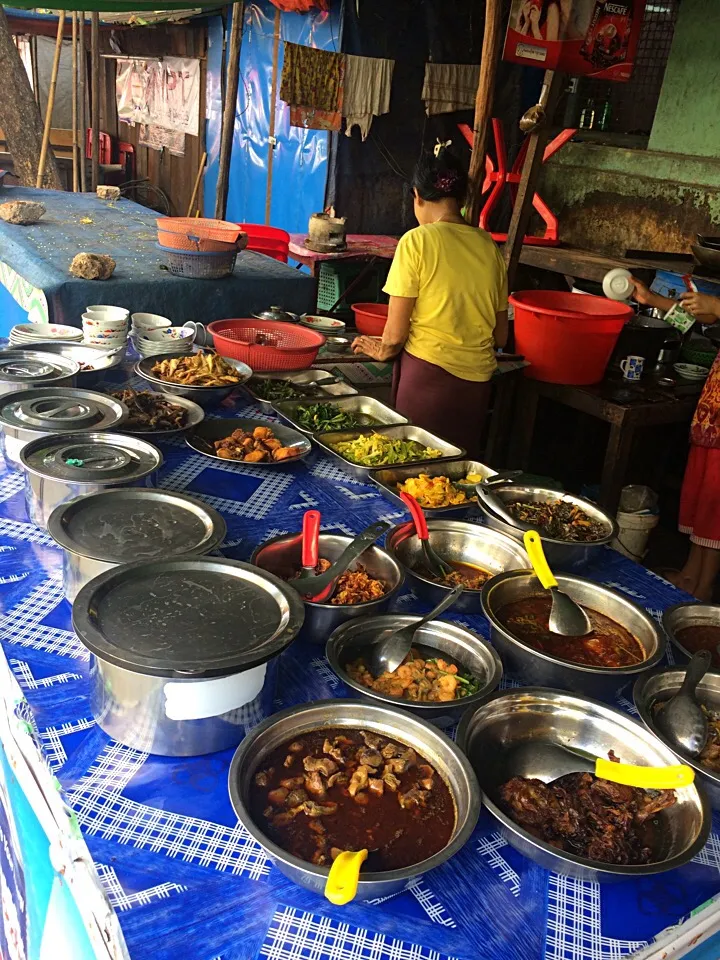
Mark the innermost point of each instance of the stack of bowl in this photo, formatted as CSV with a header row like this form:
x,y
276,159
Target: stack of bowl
x,y
159,336
23,334
105,326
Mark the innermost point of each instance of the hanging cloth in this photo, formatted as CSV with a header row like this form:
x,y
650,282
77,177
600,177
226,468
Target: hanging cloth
x,y
367,91
450,86
312,84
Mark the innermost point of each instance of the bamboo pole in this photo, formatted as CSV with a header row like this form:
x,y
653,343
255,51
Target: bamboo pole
x,y
197,184
483,107
50,100
273,110
75,168
229,109
34,68
83,112
95,95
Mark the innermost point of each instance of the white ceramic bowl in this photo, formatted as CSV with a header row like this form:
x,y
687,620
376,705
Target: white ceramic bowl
x,y
102,312
691,371
150,320
171,334
323,324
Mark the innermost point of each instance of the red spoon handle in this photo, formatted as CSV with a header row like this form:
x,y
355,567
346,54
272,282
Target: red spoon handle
x,y
416,512
310,535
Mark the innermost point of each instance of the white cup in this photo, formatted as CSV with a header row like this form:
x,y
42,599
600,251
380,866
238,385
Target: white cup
x,y
198,331
100,312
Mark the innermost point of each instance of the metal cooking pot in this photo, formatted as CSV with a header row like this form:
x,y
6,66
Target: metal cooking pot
x,y
25,369
184,652
277,313
95,362
524,733
432,745
561,554
70,465
532,666
128,524
689,615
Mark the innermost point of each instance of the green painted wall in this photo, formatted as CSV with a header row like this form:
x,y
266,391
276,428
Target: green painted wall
x,y
687,117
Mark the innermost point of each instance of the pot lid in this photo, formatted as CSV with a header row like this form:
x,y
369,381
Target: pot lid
x,y
91,458
61,410
196,617
276,313
24,366
135,524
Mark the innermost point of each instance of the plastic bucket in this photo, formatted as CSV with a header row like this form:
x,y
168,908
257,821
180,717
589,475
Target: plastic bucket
x,y
634,531
567,337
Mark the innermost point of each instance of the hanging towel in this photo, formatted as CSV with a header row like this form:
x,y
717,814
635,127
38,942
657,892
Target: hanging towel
x,y
367,91
449,86
312,84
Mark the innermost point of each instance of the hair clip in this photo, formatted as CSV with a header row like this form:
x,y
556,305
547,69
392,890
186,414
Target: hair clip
x,y
441,146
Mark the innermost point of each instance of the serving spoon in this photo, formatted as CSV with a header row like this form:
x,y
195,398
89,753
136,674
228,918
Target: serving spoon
x,y
566,617
389,652
681,720
342,882
434,562
496,505
312,587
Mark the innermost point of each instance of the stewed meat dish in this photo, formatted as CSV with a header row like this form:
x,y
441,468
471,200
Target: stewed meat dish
x,y
342,789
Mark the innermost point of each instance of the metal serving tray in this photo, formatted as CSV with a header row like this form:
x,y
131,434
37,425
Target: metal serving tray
x,y
341,389
404,431
388,479
374,413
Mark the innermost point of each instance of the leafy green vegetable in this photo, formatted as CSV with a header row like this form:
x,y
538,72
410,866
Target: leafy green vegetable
x,y
469,683
377,450
321,417
272,390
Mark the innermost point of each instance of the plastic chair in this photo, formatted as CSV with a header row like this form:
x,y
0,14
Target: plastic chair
x,y
271,241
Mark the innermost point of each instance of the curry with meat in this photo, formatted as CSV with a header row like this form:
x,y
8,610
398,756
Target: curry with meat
x,y
469,575
343,789
700,636
431,680
710,754
588,817
149,411
607,645
353,586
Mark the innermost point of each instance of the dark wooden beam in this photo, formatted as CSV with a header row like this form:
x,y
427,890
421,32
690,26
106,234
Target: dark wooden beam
x,y
95,96
229,108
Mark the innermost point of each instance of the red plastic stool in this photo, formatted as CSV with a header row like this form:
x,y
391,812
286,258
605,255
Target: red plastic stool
x,y
271,241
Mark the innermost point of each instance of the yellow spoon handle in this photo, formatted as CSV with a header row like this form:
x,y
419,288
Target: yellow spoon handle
x,y
533,545
342,881
648,778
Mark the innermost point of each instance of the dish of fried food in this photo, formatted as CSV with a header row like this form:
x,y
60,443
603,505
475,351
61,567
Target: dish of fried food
x,y
148,411
353,586
259,446
197,370
433,492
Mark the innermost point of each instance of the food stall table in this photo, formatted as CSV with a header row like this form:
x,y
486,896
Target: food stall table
x,y
635,411
34,263
360,246
180,876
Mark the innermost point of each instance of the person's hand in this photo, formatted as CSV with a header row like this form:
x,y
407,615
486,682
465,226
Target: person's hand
x,y
368,346
642,293
534,14
701,304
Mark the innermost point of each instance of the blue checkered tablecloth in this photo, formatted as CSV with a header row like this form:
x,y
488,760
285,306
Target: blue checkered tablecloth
x,y
186,879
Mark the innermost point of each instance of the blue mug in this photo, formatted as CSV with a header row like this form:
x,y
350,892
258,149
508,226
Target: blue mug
x,y
632,367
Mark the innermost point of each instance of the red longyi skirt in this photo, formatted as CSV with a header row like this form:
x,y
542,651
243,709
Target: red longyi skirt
x,y
700,497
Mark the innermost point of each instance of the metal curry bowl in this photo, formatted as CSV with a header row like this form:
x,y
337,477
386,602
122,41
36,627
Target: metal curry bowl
x,y
439,637
282,556
533,666
459,541
526,732
689,615
658,687
206,397
430,743
561,554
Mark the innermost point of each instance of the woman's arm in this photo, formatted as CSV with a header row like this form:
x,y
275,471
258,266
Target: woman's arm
x,y
552,24
647,298
703,305
500,334
394,335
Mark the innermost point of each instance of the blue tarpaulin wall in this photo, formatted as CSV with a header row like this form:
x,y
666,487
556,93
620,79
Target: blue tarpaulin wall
x,y
300,163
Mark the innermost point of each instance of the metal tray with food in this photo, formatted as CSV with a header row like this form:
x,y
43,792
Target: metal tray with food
x,y
343,413
448,480
301,385
411,445
255,443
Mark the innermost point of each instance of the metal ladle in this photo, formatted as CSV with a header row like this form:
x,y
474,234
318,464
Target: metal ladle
x,y
682,720
566,617
496,504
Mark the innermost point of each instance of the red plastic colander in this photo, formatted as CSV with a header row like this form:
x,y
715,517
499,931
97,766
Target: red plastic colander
x,y
266,344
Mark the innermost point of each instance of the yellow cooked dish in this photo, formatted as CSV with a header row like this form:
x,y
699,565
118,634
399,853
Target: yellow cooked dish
x,y
433,492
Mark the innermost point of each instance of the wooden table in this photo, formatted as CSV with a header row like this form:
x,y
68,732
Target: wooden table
x,y
360,246
589,265
624,419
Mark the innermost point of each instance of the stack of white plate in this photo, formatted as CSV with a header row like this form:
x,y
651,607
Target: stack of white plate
x,y
24,333
151,343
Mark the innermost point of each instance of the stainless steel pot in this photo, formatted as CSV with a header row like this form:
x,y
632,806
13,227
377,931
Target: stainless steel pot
x,y
128,524
535,667
689,615
657,688
526,732
184,651
459,541
72,465
432,745
25,369
95,362
561,554
49,411
453,642
282,556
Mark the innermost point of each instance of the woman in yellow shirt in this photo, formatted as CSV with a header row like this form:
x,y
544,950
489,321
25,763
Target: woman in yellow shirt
x,y
447,313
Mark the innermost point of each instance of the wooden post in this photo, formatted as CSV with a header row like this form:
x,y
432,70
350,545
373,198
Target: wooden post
x,y
229,108
50,100
75,168
522,209
95,95
83,112
273,108
34,67
483,107
197,184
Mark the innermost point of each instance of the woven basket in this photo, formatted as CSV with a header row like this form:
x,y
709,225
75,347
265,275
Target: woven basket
x,y
199,266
